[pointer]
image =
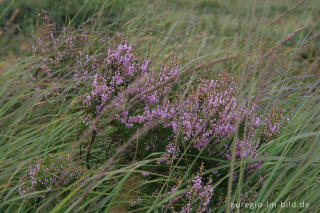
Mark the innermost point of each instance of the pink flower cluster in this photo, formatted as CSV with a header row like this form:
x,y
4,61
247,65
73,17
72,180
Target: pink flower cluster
x,y
46,176
274,121
59,52
110,70
119,68
155,104
198,197
170,155
207,114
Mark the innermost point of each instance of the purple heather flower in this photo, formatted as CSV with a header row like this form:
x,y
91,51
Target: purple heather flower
x,y
145,174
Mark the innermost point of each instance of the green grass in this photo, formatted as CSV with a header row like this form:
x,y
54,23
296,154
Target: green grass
x,y
193,32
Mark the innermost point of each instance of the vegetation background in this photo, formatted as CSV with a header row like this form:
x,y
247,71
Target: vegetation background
x,y
275,49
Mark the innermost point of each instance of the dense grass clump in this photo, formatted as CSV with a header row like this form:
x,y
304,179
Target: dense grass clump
x,y
165,106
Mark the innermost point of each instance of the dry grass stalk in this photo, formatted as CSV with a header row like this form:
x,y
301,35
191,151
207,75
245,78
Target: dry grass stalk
x,y
285,13
13,17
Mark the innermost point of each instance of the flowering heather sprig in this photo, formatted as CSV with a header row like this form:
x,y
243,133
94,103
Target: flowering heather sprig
x,y
54,50
273,122
247,147
197,197
208,113
136,202
246,150
59,55
155,104
171,154
145,174
49,175
120,68
127,70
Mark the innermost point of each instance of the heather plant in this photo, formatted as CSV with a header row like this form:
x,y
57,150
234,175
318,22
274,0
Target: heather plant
x,y
58,50
196,198
176,110
208,115
121,69
46,176
203,119
112,72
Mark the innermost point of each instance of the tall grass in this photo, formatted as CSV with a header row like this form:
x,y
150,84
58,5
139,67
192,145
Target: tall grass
x,y
271,60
